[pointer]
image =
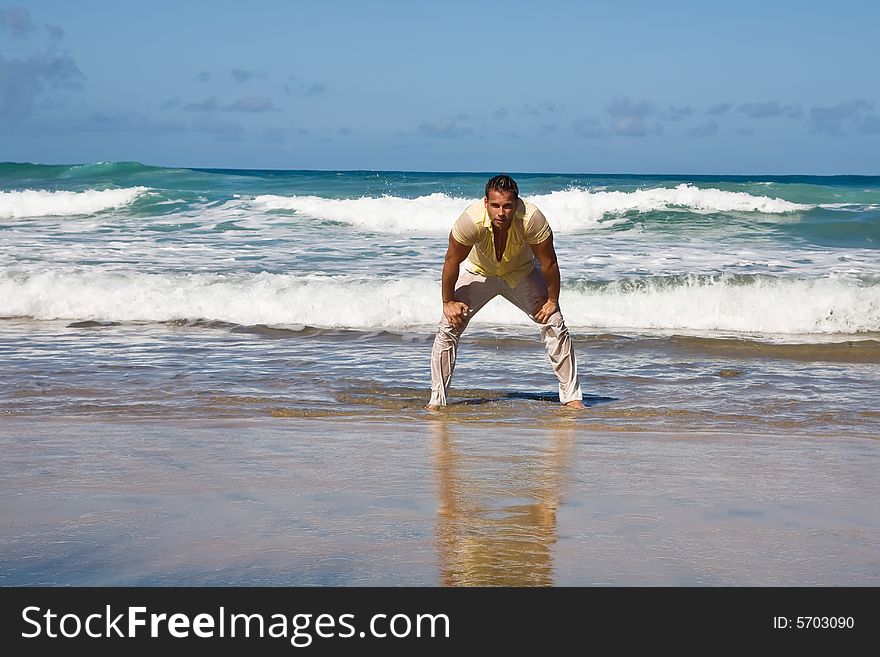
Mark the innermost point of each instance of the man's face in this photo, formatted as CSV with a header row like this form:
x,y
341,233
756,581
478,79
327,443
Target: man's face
x,y
501,207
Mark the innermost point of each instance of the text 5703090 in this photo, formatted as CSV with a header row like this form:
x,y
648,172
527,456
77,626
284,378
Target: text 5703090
x,y
814,623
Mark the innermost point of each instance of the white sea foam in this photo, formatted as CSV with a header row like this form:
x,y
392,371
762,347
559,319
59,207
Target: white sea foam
x,y
570,209
435,212
762,305
756,305
42,203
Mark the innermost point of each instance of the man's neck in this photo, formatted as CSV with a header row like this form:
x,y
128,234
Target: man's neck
x,y
502,229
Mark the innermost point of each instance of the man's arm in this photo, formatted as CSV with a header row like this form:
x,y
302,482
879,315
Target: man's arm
x,y
546,255
454,310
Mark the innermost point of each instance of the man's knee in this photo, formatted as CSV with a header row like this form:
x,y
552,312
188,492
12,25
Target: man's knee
x,y
555,323
447,334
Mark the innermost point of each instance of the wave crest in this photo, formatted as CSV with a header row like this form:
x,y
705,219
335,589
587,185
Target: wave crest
x,y
42,203
384,213
567,210
750,304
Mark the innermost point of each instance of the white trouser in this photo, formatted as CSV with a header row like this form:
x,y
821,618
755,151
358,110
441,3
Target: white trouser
x,y
476,291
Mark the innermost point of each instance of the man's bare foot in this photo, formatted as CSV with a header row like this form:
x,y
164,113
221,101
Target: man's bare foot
x,y
433,407
574,403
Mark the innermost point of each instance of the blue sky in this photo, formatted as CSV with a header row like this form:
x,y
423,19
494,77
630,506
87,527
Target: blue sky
x,y
612,87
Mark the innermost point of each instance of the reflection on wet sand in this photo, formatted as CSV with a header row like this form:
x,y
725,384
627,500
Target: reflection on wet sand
x,y
496,522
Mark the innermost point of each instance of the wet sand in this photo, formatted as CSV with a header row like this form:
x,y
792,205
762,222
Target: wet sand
x,y
431,499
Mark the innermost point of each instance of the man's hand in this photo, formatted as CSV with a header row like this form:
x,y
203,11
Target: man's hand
x,y
455,312
543,311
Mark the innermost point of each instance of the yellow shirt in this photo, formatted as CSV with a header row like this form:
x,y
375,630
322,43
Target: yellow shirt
x,y
474,228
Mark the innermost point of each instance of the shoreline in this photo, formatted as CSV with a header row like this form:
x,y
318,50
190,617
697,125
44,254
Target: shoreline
x,y
430,502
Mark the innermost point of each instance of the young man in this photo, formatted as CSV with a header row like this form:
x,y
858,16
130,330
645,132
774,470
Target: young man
x,y
508,245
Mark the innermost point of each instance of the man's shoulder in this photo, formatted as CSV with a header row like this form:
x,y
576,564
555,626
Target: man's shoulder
x,y
529,208
468,229
475,211
531,214
472,218
535,224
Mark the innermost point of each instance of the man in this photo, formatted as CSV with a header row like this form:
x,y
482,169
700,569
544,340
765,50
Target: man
x,y
508,245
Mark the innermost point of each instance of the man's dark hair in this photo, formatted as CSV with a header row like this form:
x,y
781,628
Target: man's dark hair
x,y
503,184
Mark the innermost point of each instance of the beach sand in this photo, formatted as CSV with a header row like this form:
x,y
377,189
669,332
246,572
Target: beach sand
x,y
430,499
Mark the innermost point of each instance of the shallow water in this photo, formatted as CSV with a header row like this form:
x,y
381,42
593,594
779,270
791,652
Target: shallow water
x,y
630,382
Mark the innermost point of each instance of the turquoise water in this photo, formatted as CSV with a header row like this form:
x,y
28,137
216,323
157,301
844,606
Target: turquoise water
x,y
722,300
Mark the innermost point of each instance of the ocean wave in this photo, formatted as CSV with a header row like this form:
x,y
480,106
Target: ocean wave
x,y
739,303
750,304
54,171
115,169
42,203
570,209
384,213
